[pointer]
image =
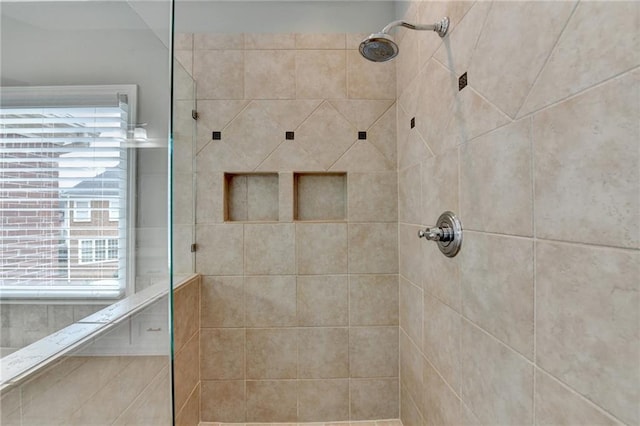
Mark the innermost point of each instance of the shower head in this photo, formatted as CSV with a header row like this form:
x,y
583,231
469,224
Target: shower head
x,y
380,47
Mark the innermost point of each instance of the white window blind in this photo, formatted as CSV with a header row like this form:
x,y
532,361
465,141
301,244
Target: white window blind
x,y
63,175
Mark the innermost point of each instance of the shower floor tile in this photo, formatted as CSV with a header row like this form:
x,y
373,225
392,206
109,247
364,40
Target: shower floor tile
x,y
386,422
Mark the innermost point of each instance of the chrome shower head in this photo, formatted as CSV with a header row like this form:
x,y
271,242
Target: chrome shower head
x,y
380,47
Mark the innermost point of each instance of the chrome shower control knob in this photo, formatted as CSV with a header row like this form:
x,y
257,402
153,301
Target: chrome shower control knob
x,y
447,233
435,234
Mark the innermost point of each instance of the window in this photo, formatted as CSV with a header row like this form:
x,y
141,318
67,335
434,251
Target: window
x,y
82,211
114,209
63,156
92,251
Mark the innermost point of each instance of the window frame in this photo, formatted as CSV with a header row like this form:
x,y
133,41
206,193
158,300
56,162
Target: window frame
x,y
30,95
94,250
77,209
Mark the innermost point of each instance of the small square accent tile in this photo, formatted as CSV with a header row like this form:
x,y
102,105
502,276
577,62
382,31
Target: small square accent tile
x,y
413,122
462,81
289,136
216,136
362,136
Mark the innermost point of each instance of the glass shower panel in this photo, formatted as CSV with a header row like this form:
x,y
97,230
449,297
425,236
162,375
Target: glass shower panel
x,y
184,148
85,102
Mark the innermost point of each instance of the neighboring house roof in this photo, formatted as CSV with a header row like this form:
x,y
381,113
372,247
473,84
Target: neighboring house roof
x,y
106,183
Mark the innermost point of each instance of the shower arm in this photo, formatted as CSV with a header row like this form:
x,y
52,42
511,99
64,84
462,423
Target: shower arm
x,y
439,27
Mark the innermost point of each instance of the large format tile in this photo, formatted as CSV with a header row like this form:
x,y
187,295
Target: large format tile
x,y
219,249
269,74
270,249
412,148
373,399
440,405
409,195
439,183
556,405
412,263
280,41
326,135
373,352
290,113
222,353
104,403
497,287
438,83
516,40
272,353
289,156
189,414
382,135
223,401
495,181
253,134
186,366
433,11
471,116
217,41
186,311
587,322
361,113
272,401
441,277
372,197
321,248
459,46
222,302
53,406
442,340
321,74
363,157
219,74
497,384
369,80
408,61
323,353
215,115
587,53
322,400
587,166
323,300
411,369
270,301
373,248
320,41
373,299
411,310
410,415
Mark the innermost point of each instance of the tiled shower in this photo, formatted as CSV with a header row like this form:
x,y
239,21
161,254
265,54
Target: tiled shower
x,y
315,169
296,233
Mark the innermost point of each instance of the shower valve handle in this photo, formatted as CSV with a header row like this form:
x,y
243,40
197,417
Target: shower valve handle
x,y
436,234
447,234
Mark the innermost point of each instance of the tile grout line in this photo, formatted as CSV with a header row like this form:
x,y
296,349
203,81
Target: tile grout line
x,y
553,49
583,398
581,92
534,266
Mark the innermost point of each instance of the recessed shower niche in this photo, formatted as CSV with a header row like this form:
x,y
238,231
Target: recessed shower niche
x,y
320,196
251,197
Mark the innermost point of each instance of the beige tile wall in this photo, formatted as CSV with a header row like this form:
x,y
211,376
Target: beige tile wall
x,y
98,390
537,320
186,349
299,319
